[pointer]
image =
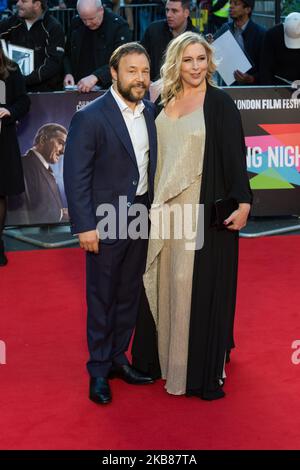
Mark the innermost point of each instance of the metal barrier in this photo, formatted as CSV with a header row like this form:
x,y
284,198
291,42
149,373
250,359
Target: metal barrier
x,y
267,226
47,236
268,21
139,16
64,17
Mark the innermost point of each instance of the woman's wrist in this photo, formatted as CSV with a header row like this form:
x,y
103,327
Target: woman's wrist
x,y
245,206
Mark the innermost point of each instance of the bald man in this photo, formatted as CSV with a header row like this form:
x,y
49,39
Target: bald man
x,y
94,34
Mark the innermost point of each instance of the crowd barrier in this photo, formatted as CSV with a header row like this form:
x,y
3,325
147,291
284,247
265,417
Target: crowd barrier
x,y
64,17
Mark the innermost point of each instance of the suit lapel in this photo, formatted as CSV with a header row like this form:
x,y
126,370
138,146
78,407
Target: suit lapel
x,y
114,116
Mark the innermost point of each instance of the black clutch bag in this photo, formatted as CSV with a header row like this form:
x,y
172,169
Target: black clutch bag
x,y
222,208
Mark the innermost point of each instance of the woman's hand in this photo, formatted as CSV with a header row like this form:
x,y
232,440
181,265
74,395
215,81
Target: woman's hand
x,y
4,112
238,218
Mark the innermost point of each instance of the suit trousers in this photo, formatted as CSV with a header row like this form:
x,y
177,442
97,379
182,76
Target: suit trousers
x,y
113,287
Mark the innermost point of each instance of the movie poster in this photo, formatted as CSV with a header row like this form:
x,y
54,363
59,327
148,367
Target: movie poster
x,y
42,136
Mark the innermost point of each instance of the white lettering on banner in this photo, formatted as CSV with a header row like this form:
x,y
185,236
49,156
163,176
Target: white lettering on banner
x,y
280,157
254,157
277,157
283,103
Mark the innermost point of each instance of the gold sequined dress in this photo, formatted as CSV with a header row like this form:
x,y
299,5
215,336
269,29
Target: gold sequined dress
x,y
169,270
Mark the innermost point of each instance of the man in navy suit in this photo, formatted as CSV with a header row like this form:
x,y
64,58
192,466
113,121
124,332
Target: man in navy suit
x,y
110,156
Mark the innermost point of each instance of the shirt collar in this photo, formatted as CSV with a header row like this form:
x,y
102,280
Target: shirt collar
x,y
41,158
242,27
124,106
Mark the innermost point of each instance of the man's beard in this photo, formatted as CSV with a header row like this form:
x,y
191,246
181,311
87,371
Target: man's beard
x,y
128,95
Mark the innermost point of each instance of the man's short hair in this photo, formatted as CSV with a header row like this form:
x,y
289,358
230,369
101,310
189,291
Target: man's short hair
x,y
126,49
186,4
48,131
250,4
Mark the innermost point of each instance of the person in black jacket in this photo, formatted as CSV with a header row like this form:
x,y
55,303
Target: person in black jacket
x,y
280,58
34,28
160,33
93,37
14,104
249,36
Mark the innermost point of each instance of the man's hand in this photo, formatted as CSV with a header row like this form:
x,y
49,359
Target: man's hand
x,y
209,38
4,112
243,78
86,84
238,217
89,241
69,80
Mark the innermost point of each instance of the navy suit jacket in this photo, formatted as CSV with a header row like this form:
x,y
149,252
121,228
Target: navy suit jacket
x,y
99,161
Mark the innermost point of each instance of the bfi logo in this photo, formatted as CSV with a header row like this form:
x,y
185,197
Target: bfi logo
x,y
2,353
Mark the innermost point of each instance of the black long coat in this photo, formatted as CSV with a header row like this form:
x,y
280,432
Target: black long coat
x,y
18,103
215,266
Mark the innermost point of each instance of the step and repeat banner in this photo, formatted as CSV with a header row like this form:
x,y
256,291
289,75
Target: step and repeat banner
x,y
271,121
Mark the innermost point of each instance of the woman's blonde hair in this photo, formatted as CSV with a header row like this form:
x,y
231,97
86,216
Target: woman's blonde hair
x,y
170,71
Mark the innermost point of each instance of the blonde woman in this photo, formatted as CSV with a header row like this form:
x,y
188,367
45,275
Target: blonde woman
x,y
191,293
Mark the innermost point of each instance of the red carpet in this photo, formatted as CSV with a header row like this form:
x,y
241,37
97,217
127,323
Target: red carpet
x,y
44,384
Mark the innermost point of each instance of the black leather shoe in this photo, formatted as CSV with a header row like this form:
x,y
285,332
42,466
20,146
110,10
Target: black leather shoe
x,y
99,390
130,375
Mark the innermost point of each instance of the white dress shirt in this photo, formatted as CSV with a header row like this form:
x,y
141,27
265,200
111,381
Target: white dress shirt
x,y
137,129
42,160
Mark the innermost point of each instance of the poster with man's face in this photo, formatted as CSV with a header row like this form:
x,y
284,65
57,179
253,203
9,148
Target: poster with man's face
x,y
42,135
